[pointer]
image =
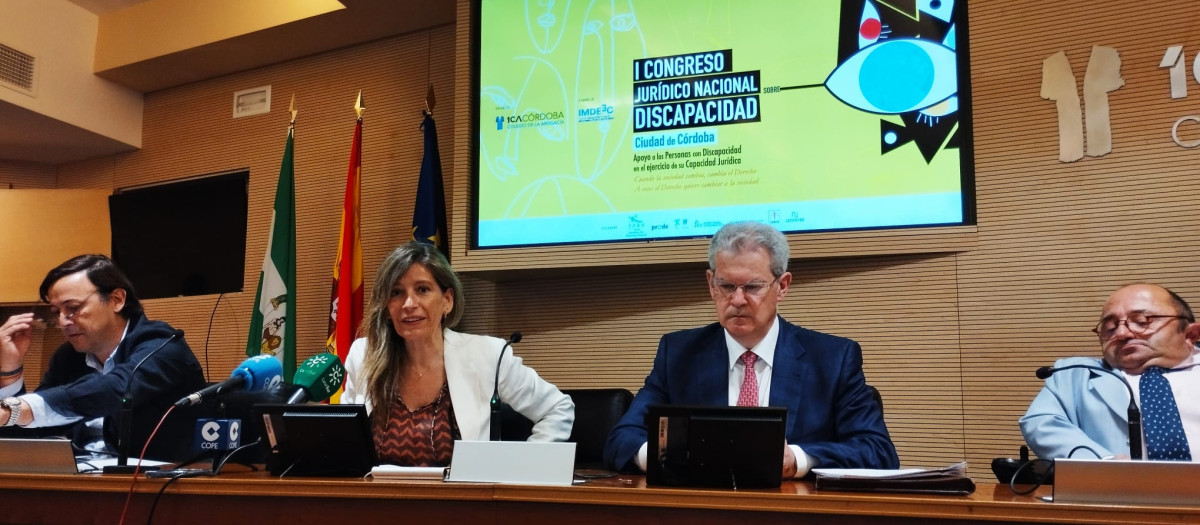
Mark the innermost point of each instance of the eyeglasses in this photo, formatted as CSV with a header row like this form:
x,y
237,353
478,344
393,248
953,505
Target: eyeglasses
x,y
1138,324
68,312
755,289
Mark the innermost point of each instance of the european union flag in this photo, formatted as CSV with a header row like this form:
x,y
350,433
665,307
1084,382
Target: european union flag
x,y
429,214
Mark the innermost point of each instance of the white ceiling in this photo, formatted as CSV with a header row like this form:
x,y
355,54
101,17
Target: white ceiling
x,y
27,136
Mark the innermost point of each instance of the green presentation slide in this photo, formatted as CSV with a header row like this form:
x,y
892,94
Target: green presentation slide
x,y
639,119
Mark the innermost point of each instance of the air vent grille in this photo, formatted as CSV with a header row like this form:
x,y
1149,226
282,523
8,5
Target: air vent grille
x,y
16,69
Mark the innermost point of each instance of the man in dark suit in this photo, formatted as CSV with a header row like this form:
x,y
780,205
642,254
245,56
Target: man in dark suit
x,y
112,351
753,357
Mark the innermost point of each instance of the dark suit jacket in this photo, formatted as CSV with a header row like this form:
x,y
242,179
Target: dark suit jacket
x,y
831,413
70,386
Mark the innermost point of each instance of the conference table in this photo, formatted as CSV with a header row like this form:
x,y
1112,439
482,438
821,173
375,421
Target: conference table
x,y
256,497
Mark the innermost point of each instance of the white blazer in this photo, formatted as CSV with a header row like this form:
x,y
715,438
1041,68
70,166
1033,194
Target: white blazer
x,y
471,372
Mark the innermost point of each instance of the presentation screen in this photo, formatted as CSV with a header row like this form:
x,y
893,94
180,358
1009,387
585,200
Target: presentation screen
x,y
636,120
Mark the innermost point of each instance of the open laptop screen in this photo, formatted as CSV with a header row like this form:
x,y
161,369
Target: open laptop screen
x,y
317,440
722,446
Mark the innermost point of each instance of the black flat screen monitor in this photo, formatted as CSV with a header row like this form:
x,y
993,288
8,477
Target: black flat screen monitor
x,y
182,238
317,440
722,447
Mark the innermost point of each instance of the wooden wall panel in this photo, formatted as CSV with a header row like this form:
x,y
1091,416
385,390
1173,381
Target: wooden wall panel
x,y
27,175
190,131
1056,238
78,221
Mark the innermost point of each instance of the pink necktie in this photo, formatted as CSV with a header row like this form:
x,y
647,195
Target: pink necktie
x,y
748,397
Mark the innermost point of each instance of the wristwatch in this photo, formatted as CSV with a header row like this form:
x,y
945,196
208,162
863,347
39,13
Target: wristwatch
x,y
14,409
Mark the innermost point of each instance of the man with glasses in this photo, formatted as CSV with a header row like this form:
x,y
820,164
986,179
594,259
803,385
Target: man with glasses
x,y
753,357
112,351
1147,333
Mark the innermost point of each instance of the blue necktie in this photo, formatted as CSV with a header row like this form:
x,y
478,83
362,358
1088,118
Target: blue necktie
x,y
1165,439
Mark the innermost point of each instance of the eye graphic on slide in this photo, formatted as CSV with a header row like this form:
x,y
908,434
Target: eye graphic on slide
x,y
623,22
899,60
896,76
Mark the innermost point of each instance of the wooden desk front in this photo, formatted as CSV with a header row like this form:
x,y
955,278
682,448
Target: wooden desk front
x,y
254,497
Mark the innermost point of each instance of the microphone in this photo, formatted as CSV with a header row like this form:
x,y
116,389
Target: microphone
x,y
257,373
1135,414
318,378
514,338
125,423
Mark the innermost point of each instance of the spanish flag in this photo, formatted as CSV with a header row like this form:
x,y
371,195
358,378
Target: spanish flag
x,y
346,301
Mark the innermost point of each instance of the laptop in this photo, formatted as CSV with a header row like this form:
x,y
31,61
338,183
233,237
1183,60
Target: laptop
x,y
37,456
316,440
1148,482
715,446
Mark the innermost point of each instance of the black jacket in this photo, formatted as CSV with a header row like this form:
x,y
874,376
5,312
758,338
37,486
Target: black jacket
x,y
169,371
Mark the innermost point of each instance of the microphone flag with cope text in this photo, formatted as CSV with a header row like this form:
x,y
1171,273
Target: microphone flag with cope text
x,y
272,325
346,298
429,213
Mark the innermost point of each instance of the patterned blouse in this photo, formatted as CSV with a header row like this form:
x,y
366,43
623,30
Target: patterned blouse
x,y
419,438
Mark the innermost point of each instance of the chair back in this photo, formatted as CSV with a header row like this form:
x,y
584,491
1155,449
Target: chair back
x,y
597,411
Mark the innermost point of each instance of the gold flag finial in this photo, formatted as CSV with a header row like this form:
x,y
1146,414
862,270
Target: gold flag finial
x,y
430,101
292,108
358,105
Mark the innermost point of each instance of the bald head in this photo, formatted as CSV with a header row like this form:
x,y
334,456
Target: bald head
x,y
1145,325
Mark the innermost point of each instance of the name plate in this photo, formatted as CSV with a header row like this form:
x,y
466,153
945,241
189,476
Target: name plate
x,y
524,462
1111,481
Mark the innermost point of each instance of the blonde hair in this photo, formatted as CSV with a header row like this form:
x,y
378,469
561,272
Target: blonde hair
x,y
385,353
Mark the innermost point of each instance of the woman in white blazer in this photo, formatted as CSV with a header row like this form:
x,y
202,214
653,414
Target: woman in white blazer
x,y
426,385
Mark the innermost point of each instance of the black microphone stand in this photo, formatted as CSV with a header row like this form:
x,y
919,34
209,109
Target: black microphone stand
x,y
125,425
495,430
1134,413
125,428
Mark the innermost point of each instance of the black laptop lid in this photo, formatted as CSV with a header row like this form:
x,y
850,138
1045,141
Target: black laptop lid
x,y
317,440
723,446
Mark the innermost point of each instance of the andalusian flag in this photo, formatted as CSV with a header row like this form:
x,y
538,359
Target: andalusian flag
x,y
429,214
273,325
346,301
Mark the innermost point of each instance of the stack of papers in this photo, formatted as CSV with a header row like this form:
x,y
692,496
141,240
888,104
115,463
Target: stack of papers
x,y
947,480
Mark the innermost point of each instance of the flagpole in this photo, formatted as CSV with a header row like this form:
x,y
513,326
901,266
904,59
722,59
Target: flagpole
x,y
273,321
346,302
429,211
